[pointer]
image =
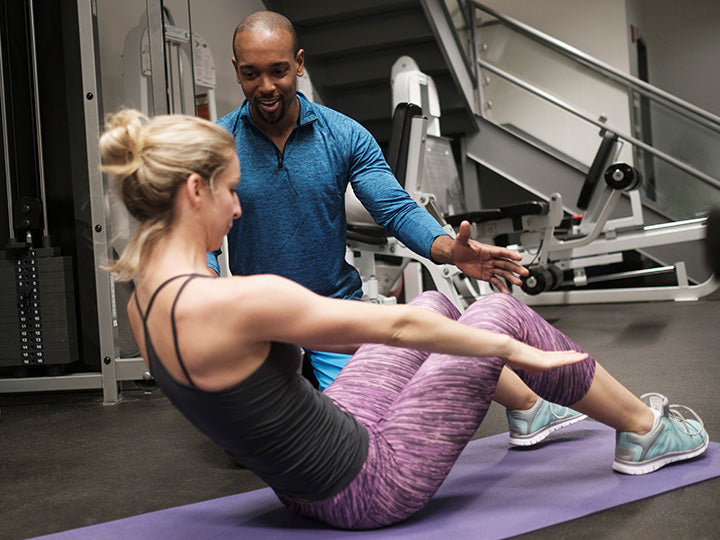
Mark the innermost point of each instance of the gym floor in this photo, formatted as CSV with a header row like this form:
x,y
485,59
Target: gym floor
x,y
67,460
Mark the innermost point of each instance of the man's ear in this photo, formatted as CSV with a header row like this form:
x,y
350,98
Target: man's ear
x,y
300,61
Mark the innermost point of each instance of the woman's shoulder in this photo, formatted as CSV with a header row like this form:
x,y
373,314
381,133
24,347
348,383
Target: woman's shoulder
x,y
244,289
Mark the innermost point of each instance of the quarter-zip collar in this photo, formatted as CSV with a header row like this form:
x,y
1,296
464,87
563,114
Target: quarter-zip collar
x,y
306,117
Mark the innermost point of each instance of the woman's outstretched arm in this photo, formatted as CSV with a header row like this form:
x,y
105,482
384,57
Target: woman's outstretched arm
x,y
270,308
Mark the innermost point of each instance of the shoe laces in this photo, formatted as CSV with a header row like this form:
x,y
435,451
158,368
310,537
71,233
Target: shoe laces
x,y
676,417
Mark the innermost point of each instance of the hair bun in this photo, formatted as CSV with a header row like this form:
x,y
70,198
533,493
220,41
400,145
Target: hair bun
x,y
122,143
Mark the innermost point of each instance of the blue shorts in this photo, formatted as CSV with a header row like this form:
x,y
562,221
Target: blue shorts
x,y
326,365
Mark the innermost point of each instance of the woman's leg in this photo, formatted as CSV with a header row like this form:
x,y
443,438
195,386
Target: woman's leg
x,y
443,404
606,400
512,392
376,374
359,391
415,443
609,402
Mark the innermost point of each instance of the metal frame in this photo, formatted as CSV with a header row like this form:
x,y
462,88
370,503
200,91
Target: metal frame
x,y
157,57
597,240
364,261
442,275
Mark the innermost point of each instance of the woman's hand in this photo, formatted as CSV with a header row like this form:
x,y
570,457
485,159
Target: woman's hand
x,y
535,361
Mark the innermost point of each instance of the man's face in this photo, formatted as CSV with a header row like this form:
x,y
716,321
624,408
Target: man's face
x,y
267,69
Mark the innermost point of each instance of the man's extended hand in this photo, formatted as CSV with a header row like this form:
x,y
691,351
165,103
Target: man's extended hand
x,y
484,262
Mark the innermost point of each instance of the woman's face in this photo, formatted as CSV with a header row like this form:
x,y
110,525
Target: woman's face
x,y
226,207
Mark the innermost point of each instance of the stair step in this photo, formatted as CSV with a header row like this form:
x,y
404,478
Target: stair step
x,y
365,34
318,12
348,69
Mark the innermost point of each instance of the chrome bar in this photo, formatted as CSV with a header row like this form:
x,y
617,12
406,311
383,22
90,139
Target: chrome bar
x,y
157,57
604,126
38,127
181,75
631,274
709,120
191,41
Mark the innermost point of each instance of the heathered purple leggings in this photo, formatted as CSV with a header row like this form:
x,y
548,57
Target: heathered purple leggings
x,y
421,410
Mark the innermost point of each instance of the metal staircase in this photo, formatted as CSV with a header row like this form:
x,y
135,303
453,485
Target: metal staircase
x,y
538,92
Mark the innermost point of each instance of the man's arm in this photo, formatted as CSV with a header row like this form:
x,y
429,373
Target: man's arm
x,y
393,208
212,260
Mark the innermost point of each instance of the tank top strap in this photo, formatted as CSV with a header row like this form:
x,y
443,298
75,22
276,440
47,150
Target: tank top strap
x,y
144,317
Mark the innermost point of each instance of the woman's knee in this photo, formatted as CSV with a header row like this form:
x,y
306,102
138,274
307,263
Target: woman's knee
x,y
500,312
438,302
501,302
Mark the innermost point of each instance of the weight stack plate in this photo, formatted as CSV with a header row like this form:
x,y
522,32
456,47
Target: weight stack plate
x,y
37,310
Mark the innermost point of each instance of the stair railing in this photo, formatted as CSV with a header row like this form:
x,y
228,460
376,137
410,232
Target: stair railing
x,y
468,48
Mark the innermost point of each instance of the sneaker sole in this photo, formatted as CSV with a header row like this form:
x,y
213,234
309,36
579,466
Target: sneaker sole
x,y
628,467
530,440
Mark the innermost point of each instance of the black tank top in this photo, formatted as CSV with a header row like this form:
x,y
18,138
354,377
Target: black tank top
x,y
274,422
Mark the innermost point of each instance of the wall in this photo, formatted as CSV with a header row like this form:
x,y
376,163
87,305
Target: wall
x,y
683,47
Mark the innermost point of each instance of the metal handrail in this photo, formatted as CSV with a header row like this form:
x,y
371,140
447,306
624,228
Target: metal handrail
x,y
678,105
604,126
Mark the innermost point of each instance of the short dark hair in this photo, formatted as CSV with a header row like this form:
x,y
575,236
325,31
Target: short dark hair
x,y
266,20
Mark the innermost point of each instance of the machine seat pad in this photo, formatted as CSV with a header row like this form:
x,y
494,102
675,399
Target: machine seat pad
x,y
510,211
368,234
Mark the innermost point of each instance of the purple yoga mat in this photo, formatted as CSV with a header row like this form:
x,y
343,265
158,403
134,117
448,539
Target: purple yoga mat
x,y
492,492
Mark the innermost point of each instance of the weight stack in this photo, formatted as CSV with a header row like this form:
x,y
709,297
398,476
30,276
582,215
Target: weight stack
x,y
37,312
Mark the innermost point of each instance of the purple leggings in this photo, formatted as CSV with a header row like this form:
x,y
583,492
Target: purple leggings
x,y
421,409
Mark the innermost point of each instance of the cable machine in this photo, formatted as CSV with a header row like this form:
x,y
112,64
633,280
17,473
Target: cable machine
x,y
57,303
37,294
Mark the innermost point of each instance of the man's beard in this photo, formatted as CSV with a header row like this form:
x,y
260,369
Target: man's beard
x,y
273,117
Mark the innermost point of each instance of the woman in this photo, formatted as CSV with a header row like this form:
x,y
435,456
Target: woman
x,y
376,445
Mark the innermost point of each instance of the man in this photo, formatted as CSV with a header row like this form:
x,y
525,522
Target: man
x,y
296,160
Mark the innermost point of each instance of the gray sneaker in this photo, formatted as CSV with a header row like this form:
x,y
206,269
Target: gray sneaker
x,y
534,425
672,438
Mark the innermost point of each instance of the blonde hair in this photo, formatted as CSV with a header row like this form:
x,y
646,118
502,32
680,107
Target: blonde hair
x,y
150,159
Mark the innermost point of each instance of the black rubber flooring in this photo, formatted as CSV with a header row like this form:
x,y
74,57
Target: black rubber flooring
x,y
67,460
